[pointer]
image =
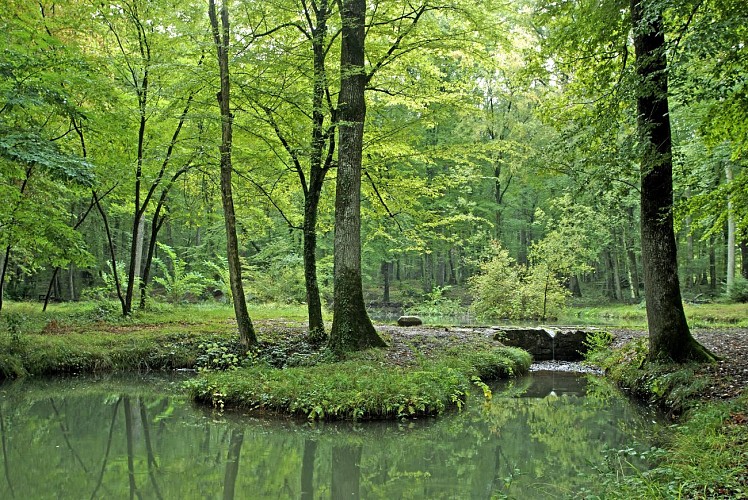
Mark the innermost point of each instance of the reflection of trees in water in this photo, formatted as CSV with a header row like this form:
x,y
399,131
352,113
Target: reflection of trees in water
x,y
108,448
307,469
232,463
6,464
187,451
346,471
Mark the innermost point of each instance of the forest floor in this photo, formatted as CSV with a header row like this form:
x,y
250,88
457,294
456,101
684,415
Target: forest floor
x,y
729,376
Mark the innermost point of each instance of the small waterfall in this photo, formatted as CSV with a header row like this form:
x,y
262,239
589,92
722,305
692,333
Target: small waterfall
x,y
552,334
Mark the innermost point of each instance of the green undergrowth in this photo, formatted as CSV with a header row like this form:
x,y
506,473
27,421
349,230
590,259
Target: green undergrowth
x,y
362,388
706,456
39,354
673,388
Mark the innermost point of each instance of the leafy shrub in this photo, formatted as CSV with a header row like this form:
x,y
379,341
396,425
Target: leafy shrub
x,y
436,303
218,356
505,289
282,281
738,291
108,311
598,346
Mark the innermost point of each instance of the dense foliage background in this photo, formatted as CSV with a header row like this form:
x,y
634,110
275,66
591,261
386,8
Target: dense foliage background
x,y
500,151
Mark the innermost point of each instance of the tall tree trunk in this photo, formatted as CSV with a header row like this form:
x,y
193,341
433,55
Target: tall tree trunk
x,y
669,336
313,300
744,259
221,39
319,165
730,231
139,214
351,327
71,282
712,264
385,270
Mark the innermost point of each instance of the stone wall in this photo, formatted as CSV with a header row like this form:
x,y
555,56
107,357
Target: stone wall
x,y
546,343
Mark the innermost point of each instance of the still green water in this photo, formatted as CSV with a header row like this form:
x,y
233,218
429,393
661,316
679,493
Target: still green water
x,y
541,436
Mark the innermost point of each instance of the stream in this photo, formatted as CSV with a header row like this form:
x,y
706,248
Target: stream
x,y
543,435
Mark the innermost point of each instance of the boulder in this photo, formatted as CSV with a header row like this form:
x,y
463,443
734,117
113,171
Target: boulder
x,y
409,321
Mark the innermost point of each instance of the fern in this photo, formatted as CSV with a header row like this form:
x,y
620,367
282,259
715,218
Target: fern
x,y
177,282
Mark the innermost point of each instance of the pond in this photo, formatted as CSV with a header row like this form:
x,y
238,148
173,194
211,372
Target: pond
x,y
540,436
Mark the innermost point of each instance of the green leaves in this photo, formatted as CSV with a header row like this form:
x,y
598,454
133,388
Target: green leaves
x,y
33,150
507,290
177,281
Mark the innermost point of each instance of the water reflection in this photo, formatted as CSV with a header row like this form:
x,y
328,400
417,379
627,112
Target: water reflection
x,y
111,437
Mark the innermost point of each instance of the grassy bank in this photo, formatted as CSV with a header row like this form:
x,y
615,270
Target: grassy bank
x,y
710,315
706,456
93,337
362,386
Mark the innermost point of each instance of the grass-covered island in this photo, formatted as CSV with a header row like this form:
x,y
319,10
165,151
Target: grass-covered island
x,y
364,385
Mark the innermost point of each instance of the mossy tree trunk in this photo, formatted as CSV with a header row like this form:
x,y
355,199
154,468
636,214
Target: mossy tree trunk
x,y
221,38
351,328
669,336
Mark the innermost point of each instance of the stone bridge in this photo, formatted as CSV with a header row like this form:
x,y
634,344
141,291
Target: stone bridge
x,y
560,343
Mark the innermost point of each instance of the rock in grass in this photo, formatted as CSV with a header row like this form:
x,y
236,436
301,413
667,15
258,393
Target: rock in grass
x,y
409,321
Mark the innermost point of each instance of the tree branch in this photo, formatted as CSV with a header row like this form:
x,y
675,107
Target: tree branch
x,y
381,200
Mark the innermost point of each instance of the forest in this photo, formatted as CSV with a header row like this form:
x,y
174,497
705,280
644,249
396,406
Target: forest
x,y
500,151
216,205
